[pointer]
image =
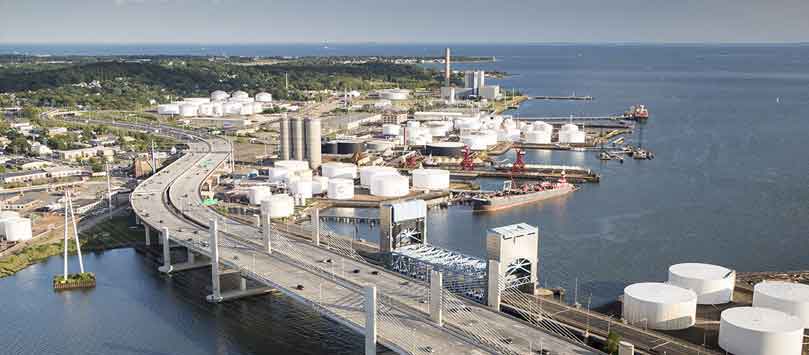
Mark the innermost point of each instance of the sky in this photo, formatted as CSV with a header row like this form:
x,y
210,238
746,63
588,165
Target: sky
x,y
403,21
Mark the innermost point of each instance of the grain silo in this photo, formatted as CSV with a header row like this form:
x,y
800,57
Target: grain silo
x,y
313,137
285,136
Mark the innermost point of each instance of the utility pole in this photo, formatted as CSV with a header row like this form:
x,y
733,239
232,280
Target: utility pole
x,y
154,159
109,192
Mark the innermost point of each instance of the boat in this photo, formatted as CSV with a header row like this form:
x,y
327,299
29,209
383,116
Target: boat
x,y
525,194
637,113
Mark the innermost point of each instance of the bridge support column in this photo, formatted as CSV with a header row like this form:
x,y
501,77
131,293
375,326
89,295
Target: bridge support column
x,y
266,228
258,220
625,348
213,243
190,256
436,298
148,241
493,294
316,226
166,268
370,320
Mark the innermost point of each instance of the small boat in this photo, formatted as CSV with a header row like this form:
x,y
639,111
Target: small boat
x,y
637,113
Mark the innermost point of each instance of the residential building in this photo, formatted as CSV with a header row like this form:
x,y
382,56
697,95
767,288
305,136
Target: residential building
x,y
23,176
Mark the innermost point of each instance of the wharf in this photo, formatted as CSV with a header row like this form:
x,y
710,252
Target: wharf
x,y
568,98
573,176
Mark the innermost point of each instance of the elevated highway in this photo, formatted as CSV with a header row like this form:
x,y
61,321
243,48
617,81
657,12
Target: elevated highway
x,y
330,276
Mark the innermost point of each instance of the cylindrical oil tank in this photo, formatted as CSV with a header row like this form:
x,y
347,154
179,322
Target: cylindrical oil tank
x,y
302,174
168,109
340,189
281,205
350,147
239,95
197,100
292,165
713,284
508,134
659,306
263,97
391,129
320,185
379,145
17,229
389,185
467,123
339,170
787,297
302,188
445,149
537,137
367,172
256,194
413,124
436,129
475,141
219,95
258,107
278,174
489,137
541,126
313,138
232,108
329,147
247,109
431,179
218,109
760,331
188,110
206,110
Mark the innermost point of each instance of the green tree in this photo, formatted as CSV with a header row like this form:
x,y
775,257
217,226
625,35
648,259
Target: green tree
x,y
613,341
96,164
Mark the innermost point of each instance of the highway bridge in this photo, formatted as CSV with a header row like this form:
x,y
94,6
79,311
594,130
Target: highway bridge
x,y
322,270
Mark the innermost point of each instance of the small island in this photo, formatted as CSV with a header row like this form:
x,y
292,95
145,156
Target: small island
x,y
73,281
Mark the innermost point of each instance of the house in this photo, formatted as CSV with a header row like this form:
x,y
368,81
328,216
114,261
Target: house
x,y
84,153
21,201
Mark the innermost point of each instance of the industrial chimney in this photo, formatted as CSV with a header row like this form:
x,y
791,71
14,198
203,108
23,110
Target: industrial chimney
x,y
447,70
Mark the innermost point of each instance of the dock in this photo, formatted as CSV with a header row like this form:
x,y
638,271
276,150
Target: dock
x,y
572,176
568,98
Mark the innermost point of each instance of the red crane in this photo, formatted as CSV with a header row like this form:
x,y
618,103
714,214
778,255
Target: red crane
x,y
519,164
468,162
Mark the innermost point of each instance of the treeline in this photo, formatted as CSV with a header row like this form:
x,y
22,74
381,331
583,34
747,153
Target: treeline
x,y
121,85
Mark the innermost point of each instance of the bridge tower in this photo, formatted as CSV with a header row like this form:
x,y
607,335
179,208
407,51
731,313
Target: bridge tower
x,y
401,224
513,260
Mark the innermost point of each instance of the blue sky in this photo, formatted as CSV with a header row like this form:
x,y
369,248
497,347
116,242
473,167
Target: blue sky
x,y
439,21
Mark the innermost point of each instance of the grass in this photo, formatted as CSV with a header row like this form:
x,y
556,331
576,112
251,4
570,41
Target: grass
x,y
110,234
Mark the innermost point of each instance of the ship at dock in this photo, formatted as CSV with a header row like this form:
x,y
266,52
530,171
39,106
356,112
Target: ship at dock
x,y
637,113
525,194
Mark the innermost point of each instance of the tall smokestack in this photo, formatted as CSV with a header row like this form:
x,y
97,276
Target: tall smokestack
x,y
447,70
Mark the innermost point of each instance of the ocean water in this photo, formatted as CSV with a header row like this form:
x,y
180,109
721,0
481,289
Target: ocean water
x,y
729,185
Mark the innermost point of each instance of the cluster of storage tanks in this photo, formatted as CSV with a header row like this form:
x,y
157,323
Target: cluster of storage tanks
x,y
481,133
220,104
14,228
773,325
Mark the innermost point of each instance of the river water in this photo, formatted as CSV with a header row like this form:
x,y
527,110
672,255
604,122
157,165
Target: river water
x,y
729,185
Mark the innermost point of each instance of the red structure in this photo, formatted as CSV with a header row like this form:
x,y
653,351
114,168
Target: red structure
x,y
468,162
519,164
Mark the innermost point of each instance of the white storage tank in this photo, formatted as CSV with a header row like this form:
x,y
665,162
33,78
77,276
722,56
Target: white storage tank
x,y
240,95
280,205
391,129
339,170
302,188
247,109
413,124
509,134
340,189
168,109
9,214
258,107
432,179
16,229
475,141
570,133
219,95
292,165
232,108
206,109
188,110
379,145
660,306
384,185
537,137
263,97
437,129
320,185
218,109
367,172
278,174
256,194
787,297
713,284
760,331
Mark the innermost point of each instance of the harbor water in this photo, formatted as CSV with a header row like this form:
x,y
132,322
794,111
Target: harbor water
x,y
728,185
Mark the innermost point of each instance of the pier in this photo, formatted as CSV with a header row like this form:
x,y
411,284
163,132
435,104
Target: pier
x,y
575,176
567,98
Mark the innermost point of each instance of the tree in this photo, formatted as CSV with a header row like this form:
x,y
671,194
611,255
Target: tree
x,y
96,164
613,341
